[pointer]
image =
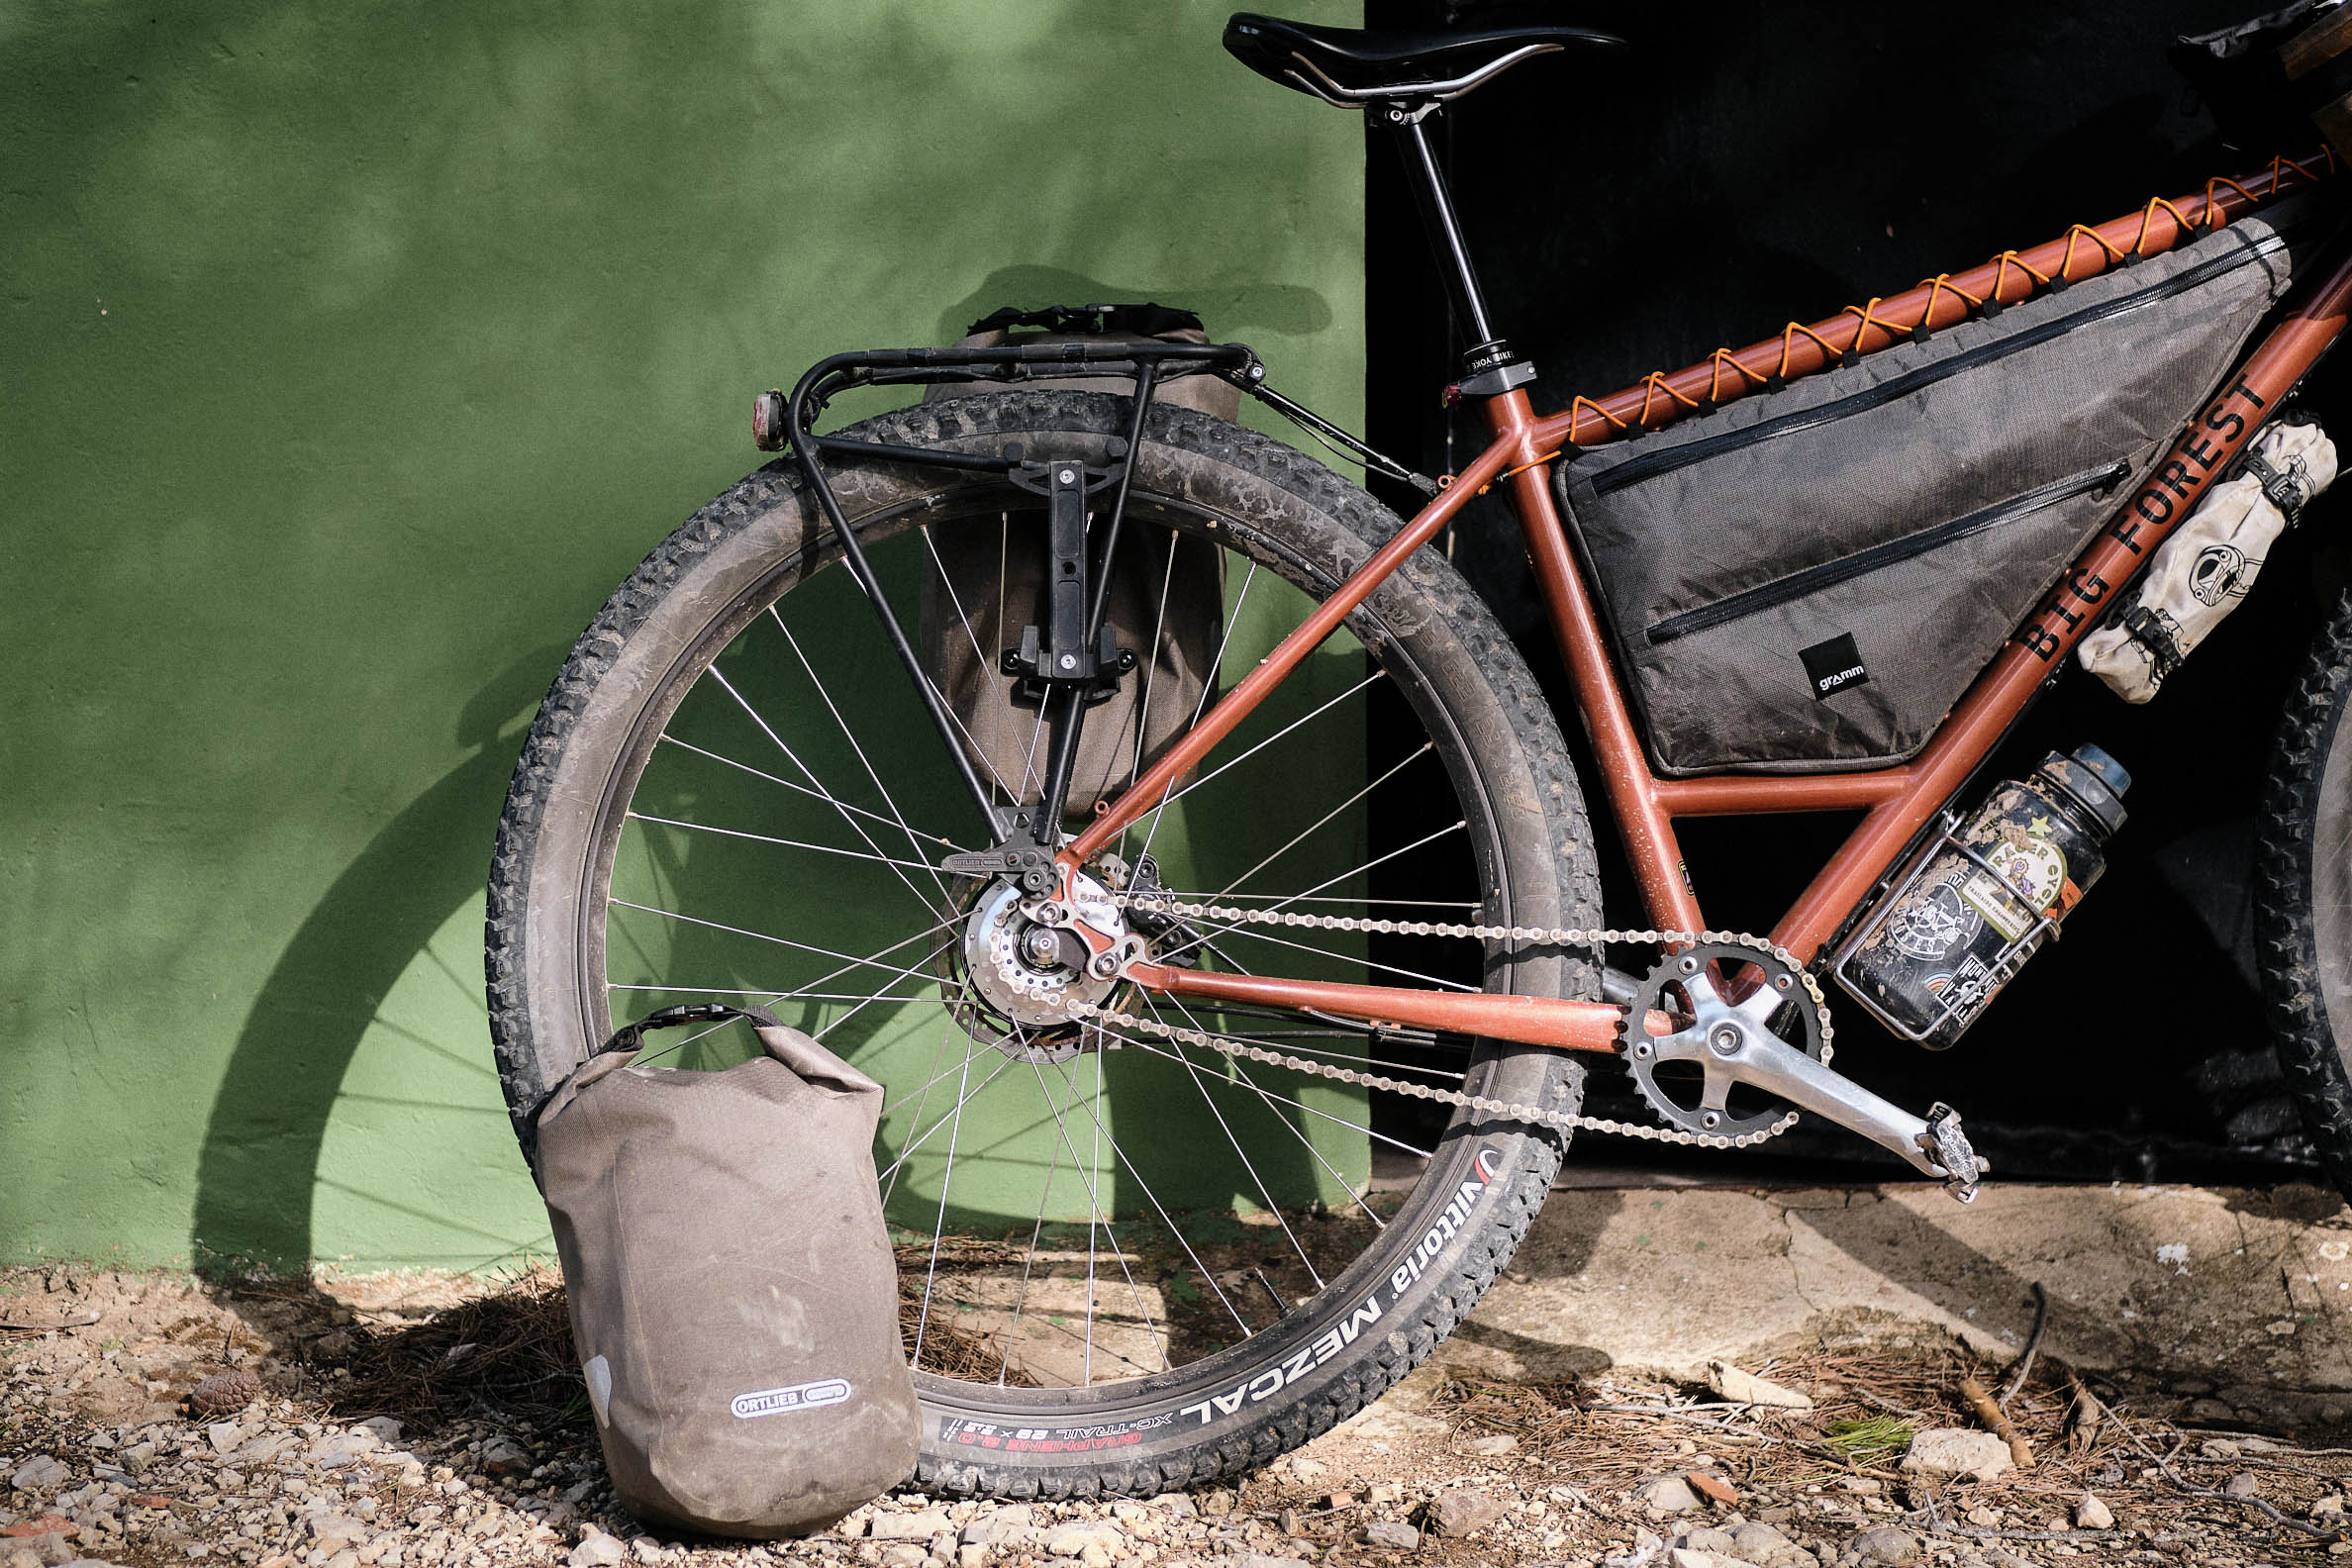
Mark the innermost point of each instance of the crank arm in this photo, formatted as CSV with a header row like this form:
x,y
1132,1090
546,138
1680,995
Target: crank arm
x,y
1934,1145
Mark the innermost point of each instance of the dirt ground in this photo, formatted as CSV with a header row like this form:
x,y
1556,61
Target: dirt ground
x,y
2186,1404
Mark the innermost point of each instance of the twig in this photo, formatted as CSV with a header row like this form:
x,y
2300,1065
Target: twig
x,y
2083,1424
2041,1322
1995,1420
2210,1494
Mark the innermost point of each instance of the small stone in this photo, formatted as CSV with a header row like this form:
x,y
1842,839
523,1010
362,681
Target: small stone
x,y
1394,1534
1260,1561
974,1556
1459,1511
1685,1557
1499,1443
2242,1485
224,1394
910,1526
1384,1493
1755,1541
2212,1410
905,1554
1944,1452
986,1530
1072,1541
1709,1541
1306,1469
1884,1544
1745,1388
2092,1515
597,1550
1338,1500
645,1550
225,1437
41,1473
2330,1507
1861,1485
1712,1486
1666,1496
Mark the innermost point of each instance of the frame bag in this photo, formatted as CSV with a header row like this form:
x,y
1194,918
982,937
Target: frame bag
x,y
1808,579
734,1295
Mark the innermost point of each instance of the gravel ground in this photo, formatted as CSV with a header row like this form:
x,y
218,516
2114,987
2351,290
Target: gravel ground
x,y
121,1442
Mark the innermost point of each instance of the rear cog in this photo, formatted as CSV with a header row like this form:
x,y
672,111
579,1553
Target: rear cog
x,y
1715,994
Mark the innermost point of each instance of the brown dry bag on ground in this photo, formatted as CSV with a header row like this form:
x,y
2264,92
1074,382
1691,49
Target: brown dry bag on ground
x,y
734,1295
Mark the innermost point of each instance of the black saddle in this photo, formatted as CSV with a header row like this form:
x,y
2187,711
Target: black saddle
x,y
1352,67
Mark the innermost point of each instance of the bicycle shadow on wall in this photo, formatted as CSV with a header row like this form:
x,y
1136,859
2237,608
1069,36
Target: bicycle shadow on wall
x,y
259,1172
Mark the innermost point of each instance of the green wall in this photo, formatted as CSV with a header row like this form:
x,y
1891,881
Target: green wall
x,y
349,355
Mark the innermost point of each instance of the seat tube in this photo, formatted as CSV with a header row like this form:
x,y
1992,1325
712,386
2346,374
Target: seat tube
x,y
1642,820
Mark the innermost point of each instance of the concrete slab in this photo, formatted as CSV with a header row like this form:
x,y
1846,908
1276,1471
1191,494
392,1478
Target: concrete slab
x,y
2249,1292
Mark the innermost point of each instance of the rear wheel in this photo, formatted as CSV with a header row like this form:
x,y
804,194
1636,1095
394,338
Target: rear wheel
x,y
1129,1262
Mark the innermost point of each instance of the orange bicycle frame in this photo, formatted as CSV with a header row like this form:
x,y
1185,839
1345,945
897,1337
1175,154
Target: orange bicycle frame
x,y
1897,802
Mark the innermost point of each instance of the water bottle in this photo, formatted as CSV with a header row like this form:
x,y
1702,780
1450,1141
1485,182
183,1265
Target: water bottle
x,y
1955,934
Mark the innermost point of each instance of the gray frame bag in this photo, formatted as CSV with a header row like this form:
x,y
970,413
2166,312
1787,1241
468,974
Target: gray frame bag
x,y
733,1294
1808,579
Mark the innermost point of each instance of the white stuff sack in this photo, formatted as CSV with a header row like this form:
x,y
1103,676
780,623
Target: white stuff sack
x,y
2204,568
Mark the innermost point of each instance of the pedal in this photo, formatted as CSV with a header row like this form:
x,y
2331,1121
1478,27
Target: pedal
x,y
1948,1146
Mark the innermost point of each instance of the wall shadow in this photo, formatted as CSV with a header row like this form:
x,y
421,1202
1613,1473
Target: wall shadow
x,y
257,1175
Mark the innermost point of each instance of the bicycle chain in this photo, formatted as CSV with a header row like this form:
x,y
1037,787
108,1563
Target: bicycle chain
x,y
1160,905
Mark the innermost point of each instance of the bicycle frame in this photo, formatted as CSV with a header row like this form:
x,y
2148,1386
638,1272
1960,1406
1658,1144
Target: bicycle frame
x,y
1899,801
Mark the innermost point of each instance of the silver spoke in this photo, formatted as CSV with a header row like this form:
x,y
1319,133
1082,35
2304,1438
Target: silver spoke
x,y
760,773
1201,703
1265,1193
906,1153
1094,1204
848,959
930,1280
1305,1141
850,736
838,804
789,843
1426,748
1306,718
1146,1044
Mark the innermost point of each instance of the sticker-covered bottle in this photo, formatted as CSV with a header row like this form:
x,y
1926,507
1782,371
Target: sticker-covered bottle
x,y
1988,900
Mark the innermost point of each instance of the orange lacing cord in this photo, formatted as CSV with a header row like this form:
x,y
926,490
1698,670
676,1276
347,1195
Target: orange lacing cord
x,y
1789,342
2139,247
2211,216
1653,385
2215,218
1715,382
2000,273
1935,287
1583,402
1867,320
2066,260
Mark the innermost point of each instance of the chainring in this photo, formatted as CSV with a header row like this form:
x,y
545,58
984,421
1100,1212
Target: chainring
x,y
1695,1091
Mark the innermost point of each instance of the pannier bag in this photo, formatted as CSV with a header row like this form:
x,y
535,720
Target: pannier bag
x,y
2204,566
1174,584
1808,579
734,1295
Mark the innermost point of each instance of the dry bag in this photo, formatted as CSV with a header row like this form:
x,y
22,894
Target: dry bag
x,y
734,1295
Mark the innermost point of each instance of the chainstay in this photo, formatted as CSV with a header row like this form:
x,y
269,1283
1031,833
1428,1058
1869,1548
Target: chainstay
x,y
1561,936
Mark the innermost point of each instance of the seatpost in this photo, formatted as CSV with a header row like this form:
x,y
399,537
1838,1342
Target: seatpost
x,y
1489,368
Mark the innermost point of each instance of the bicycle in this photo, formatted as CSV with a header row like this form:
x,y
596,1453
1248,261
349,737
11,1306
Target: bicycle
x,y
1345,911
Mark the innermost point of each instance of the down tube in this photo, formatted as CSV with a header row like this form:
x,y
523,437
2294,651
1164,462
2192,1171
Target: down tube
x,y
2037,651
